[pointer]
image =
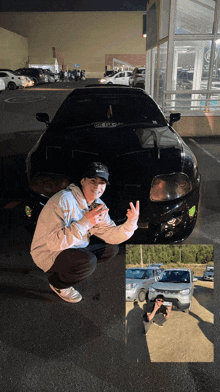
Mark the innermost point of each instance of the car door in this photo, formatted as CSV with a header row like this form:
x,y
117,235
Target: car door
x,y
128,74
5,77
120,78
149,280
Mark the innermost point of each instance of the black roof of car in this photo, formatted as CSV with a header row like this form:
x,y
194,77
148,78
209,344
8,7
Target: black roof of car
x,y
98,89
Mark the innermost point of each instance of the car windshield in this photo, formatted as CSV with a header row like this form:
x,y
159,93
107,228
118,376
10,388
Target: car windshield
x,y
210,269
175,276
138,273
123,108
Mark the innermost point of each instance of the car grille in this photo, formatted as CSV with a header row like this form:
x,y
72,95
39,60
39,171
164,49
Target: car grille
x,y
167,291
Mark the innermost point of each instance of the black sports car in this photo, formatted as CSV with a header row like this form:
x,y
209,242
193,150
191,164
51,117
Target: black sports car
x,y
125,129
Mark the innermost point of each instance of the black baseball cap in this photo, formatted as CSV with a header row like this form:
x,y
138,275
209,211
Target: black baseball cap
x,y
97,169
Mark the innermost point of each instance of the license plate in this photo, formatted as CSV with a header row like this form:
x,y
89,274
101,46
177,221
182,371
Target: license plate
x,y
167,303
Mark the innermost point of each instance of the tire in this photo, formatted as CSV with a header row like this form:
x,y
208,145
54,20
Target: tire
x,y
141,296
35,81
12,86
109,83
188,309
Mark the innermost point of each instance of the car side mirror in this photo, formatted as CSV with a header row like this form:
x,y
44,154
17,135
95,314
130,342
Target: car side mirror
x,y
174,117
43,117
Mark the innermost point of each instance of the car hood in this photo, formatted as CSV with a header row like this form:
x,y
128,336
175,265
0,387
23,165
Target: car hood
x,y
147,151
171,286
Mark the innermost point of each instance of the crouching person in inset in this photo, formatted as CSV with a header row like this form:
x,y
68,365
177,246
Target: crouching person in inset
x,y
61,245
156,313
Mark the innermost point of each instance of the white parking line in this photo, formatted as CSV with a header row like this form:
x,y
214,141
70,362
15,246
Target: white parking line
x,y
205,151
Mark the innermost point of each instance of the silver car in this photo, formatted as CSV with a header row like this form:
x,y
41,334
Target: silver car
x,y
208,273
138,281
177,286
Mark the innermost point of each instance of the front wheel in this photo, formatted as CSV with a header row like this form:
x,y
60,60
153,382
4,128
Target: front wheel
x,y
141,296
12,86
109,83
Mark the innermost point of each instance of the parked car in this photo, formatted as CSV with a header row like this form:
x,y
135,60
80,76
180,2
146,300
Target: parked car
x,y
138,281
118,78
208,273
56,77
177,286
137,78
50,75
36,74
2,85
11,80
109,72
124,128
26,80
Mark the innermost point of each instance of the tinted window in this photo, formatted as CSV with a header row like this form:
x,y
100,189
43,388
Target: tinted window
x,y
3,74
134,273
118,108
175,276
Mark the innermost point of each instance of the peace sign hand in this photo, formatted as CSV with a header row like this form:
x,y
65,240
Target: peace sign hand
x,y
133,212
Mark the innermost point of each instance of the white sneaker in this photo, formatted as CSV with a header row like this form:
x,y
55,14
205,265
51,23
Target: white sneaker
x,y
69,294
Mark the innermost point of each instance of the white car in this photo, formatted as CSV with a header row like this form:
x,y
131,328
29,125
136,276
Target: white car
x,y
119,78
2,85
12,81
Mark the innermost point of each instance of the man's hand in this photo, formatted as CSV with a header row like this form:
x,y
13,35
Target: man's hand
x,y
133,212
168,312
156,306
97,215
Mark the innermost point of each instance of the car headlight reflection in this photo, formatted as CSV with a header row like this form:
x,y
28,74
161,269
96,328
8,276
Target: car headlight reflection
x,y
151,289
184,292
169,187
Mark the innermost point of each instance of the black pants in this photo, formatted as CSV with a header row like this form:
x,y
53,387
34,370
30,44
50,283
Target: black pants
x,y
75,265
158,318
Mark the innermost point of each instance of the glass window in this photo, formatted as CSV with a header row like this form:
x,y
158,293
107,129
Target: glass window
x,y
154,74
216,67
162,72
195,17
191,65
148,72
164,18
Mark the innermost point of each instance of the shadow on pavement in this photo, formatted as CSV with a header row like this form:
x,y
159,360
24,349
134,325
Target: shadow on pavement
x,y
206,327
136,345
205,297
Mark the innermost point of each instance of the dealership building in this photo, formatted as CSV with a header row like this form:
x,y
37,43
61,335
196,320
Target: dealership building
x,y
180,49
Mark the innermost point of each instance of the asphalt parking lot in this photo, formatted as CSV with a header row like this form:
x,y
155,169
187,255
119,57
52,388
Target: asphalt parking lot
x,y
48,345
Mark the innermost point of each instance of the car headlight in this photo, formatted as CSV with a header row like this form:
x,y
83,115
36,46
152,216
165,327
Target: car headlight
x,y
185,292
169,187
102,80
151,289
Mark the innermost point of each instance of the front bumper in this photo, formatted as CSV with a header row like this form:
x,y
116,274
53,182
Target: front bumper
x,y
208,278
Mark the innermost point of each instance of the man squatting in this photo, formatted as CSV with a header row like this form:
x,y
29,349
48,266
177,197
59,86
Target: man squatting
x,y
61,245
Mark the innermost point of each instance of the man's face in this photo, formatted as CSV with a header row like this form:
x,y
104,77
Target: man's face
x,y
93,188
159,301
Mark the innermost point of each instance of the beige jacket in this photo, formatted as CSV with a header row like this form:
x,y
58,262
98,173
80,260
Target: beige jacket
x,y
62,225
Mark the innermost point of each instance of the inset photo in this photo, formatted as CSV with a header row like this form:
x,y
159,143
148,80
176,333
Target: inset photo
x,y
169,303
